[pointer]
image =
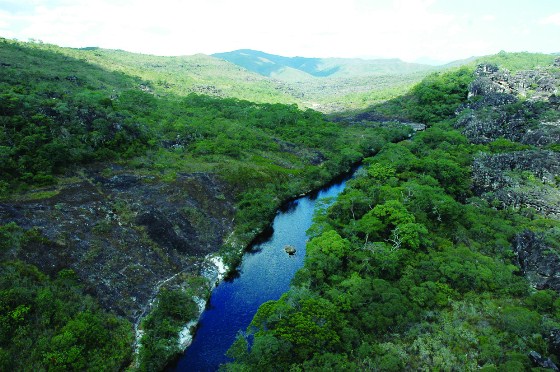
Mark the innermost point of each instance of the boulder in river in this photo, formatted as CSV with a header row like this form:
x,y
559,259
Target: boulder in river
x,y
290,249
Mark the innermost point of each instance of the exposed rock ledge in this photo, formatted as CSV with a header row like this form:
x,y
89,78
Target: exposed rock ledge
x,y
215,271
537,261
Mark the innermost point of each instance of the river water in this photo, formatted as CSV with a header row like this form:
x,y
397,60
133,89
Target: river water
x,y
265,274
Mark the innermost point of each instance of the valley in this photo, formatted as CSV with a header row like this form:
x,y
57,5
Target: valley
x,y
130,182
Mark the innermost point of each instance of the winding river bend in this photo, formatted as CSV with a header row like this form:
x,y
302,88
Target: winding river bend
x,y
265,274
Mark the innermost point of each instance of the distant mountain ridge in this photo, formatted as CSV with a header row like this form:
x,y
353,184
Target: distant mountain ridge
x,y
266,64
281,67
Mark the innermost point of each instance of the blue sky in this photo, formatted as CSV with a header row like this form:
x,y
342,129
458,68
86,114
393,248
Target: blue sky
x,y
441,30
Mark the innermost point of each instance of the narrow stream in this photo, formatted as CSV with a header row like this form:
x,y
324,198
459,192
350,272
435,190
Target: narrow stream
x,y
265,274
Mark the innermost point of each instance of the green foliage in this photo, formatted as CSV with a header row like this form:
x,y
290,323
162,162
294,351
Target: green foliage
x,y
63,109
160,342
439,95
503,145
518,61
330,244
434,99
406,270
307,324
52,119
520,321
10,236
381,172
51,324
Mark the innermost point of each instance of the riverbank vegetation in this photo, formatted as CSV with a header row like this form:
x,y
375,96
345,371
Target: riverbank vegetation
x,y
412,268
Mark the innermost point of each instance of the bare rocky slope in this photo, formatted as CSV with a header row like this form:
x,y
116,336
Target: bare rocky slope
x,y
127,233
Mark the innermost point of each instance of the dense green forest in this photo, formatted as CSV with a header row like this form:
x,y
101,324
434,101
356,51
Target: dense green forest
x,y
411,268
51,323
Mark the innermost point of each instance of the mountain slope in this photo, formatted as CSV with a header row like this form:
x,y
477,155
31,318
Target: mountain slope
x,y
192,74
182,75
355,82
333,85
270,64
267,64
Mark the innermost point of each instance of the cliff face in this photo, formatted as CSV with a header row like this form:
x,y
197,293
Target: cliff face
x,y
520,179
126,234
518,114
537,261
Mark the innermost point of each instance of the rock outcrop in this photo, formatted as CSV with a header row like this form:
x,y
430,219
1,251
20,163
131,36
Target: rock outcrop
x,y
291,250
124,235
537,260
520,179
537,85
523,109
554,342
539,361
520,107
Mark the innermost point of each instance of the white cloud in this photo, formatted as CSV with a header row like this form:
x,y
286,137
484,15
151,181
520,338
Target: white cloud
x,y
553,19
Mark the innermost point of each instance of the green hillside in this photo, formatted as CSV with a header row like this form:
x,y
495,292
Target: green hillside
x,y
181,75
517,61
333,85
405,106
127,181
355,84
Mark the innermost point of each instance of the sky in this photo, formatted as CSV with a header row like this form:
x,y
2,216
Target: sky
x,y
412,30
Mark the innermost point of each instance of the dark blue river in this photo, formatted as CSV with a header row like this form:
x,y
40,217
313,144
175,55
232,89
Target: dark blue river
x,y
265,274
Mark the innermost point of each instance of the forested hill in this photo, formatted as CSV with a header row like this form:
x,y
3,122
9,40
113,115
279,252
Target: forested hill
x,y
212,76
333,85
443,253
175,76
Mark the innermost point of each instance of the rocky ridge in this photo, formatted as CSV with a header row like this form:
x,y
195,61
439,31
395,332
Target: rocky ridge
x,y
520,179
